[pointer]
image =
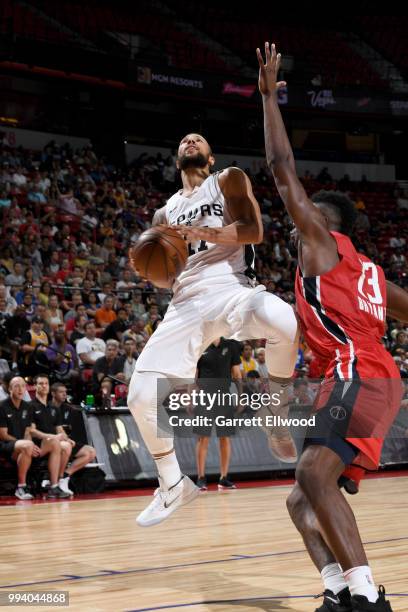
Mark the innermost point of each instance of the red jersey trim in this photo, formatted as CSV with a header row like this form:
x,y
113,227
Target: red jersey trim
x,y
346,362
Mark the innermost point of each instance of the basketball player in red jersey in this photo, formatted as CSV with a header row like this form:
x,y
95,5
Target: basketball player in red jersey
x,y
342,298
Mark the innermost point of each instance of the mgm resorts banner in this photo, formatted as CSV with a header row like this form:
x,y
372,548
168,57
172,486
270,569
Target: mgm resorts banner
x,y
346,409
220,88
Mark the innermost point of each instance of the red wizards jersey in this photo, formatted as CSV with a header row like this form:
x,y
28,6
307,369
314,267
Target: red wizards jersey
x,y
343,311
343,314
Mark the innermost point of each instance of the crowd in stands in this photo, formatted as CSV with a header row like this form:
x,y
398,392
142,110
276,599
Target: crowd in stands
x,y
71,306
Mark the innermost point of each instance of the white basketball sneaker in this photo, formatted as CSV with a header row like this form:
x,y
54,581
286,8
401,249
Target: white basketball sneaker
x,y
166,501
281,445
280,441
63,484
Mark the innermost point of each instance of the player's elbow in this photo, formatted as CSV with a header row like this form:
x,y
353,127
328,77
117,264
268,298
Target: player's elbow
x,y
249,231
253,233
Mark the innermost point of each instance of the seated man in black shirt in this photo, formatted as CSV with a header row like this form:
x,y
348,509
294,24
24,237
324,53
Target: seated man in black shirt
x,y
114,331
15,440
44,431
217,366
16,326
109,365
79,329
82,454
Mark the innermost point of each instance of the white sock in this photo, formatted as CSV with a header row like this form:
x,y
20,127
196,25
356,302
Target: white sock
x,y
333,579
360,582
169,469
22,485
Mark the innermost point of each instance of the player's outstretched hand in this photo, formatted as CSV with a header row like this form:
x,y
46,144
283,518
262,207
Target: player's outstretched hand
x,y
268,70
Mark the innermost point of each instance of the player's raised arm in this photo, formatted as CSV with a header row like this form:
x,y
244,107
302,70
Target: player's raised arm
x,y
397,302
243,210
308,219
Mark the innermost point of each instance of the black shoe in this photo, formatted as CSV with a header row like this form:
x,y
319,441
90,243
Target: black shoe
x,y
202,483
360,603
57,493
336,603
350,486
224,484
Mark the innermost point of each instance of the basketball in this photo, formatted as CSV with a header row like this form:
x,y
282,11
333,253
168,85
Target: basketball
x,y
159,255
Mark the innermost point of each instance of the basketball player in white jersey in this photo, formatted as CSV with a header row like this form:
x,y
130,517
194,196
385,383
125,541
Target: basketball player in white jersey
x,y
214,296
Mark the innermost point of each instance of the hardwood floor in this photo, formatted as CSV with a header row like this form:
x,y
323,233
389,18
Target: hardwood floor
x,y
232,551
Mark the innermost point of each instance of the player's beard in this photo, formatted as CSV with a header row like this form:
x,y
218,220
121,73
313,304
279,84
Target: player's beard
x,y
193,161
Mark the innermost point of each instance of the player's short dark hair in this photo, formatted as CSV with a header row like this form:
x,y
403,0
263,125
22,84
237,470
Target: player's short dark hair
x,y
57,385
341,204
37,376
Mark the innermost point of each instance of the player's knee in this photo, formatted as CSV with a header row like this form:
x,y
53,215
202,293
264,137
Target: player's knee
x,y
54,445
288,328
140,392
146,394
66,448
311,478
27,447
295,504
280,322
91,453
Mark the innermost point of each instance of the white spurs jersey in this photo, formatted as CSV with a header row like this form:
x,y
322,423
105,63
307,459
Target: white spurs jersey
x,y
205,207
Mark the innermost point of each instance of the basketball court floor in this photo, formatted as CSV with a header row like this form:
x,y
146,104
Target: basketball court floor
x,y
227,551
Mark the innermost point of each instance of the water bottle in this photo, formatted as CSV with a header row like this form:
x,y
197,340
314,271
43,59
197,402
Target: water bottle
x,y
112,400
89,402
